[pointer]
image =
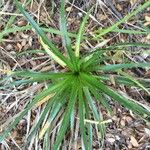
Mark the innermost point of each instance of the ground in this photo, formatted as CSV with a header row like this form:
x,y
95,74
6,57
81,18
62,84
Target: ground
x,y
126,131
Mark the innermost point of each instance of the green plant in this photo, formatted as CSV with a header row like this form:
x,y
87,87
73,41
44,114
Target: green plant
x,y
78,87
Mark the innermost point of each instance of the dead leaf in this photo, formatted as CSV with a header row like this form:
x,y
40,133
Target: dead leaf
x,y
147,18
147,131
68,9
22,23
101,44
134,141
133,2
45,99
111,140
147,23
122,122
128,119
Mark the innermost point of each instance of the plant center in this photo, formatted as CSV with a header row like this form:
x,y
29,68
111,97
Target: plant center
x,y
76,73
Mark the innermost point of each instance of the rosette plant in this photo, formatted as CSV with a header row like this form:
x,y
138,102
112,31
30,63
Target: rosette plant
x,y
76,89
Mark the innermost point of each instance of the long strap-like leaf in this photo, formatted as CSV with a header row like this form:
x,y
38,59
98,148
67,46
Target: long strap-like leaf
x,y
66,118
40,32
127,17
65,36
138,109
31,105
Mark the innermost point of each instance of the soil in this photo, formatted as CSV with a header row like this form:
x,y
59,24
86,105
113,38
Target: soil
x,y
126,131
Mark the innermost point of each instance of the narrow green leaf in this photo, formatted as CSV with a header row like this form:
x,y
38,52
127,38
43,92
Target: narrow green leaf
x,y
89,126
40,32
124,80
55,108
37,124
20,82
46,143
128,44
80,34
82,118
102,100
135,81
66,118
60,98
29,27
126,18
97,116
31,52
138,109
119,47
66,39
40,75
130,31
115,67
49,90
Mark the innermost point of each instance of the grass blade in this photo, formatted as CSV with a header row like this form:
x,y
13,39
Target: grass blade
x,y
97,116
128,44
37,124
103,101
127,17
115,67
138,109
66,118
60,98
49,90
55,103
40,32
89,127
53,114
51,54
80,34
135,81
130,31
66,39
29,27
124,80
39,75
82,118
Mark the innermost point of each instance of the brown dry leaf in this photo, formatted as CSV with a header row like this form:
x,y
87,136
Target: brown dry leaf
x,y
68,9
134,141
102,17
147,18
101,44
133,2
22,23
19,141
119,7
147,74
147,131
122,122
128,119
23,43
19,46
111,140
47,68
130,145
147,23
